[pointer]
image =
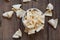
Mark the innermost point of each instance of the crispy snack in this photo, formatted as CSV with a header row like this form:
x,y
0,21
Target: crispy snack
x,y
53,22
48,13
50,6
17,34
8,14
33,21
19,12
49,10
26,0
16,6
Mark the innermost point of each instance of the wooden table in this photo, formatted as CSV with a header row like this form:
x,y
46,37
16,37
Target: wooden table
x,y
9,26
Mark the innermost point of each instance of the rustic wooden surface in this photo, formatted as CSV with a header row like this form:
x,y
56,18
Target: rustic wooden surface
x,y
9,26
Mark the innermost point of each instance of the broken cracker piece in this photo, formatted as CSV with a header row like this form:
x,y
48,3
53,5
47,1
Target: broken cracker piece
x,y
16,6
53,22
26,0
50,6
17,34
48,13
20,13
8,14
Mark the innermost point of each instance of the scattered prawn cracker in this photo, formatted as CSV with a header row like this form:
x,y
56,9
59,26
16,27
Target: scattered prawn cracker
x,y
53,22
8,14
50,6
17,34
20,13
16,6
48,13
26,0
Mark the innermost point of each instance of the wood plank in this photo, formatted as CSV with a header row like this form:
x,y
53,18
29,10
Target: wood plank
x,y
1,28
10,26
54,34
41,5
1,32
26,6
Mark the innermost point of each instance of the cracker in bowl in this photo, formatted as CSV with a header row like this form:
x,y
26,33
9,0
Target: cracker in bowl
x,y
33,21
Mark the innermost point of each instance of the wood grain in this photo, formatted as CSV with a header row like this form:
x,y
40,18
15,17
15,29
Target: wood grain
x,y
9,26
54,34
41,5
